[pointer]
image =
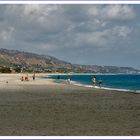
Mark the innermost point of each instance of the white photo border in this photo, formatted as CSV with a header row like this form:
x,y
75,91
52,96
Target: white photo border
x,y
70,137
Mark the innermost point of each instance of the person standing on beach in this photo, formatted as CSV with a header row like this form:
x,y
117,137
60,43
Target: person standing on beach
x,y
94,81
34,76
58,77
100,83
69,80
22,78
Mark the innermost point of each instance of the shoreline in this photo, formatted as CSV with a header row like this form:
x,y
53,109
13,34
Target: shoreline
x,y
107,88
45,108
15,79
96,87
90,73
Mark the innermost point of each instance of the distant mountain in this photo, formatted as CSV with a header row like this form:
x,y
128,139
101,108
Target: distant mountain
x,y
26,61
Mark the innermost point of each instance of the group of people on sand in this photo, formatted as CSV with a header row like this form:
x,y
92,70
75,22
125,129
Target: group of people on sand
x,y
26,78
100,82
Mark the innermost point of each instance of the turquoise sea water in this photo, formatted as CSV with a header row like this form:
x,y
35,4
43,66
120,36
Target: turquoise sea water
x,y
117,82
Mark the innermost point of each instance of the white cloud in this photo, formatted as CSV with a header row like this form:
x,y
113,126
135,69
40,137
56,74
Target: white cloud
x,y
113,12
6,34
122,31
52,27
103,38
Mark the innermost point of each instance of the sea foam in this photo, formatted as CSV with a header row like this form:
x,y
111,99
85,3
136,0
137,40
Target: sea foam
x,y
106,88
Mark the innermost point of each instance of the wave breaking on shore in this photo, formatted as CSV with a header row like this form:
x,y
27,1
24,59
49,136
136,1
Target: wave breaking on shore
x,y
106,88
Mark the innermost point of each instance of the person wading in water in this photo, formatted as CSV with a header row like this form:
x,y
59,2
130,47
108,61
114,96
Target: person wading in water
x,y
94,81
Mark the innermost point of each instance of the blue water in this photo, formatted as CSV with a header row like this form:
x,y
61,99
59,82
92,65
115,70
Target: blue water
x,y
121,82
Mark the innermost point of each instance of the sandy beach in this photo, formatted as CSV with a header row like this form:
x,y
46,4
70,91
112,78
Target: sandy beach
x,y
45,108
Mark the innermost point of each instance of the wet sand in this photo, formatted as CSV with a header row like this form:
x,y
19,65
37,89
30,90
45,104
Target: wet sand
x,y
45,108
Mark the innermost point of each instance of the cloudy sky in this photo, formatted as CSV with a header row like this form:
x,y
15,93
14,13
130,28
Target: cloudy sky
x,y
81,34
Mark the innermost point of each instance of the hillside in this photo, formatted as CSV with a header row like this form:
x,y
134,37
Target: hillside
x,y
25,61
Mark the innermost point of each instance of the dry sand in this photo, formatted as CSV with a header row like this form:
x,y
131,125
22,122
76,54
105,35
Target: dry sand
x,y
45,108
